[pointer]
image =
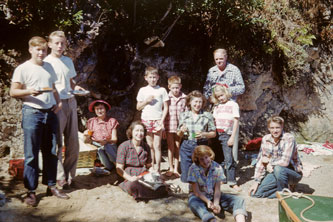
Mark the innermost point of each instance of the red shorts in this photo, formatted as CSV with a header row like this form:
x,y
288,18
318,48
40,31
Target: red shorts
x,y
152,126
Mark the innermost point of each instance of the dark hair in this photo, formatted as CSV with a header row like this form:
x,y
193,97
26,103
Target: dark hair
x,y
131,127
191,95
99,103
201,151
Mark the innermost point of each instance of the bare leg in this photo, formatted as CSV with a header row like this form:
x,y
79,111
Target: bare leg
x,y
171,145
176,154
157,149
150,142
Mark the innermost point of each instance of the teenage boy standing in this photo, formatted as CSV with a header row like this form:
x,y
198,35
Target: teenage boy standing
x,y
68,121
33,82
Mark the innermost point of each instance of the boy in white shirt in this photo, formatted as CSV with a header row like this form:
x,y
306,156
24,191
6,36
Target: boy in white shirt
x,y
68,121
33,82
153,101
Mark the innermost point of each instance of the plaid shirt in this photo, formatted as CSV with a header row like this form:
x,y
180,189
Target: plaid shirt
x,y
284,153
231,76
204,122
176,107
134,161
101,129
206,184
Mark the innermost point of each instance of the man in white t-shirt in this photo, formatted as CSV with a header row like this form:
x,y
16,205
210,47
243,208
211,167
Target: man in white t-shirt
x,y
33,82
68,120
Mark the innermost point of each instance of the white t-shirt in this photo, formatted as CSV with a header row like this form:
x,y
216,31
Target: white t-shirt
x,y
34,76
224,115
154,110
64,68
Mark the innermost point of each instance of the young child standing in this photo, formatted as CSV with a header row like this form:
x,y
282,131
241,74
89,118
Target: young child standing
x,y
68,121
102,131
33,82
206,198
177,104
226,115
196,127
153,101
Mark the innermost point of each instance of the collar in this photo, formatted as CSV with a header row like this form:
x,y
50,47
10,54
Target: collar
x,y
271,140
182,95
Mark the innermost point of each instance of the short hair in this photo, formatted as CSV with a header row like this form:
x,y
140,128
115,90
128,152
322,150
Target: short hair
x,y
131,127
220,88
275,119
174,80
151,70
201,151
37,41
220,50
195,94
57,34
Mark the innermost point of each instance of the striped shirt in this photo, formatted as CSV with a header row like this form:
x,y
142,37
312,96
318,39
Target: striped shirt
x,y
177,105
283,153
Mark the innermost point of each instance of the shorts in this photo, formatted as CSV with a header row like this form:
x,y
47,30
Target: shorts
x,y
152,126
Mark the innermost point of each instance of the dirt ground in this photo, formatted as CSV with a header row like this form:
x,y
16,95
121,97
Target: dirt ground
x,y
99,199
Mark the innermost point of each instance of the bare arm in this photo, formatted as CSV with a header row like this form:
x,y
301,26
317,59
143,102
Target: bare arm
x,y
58,106
165,112
120,170
207,135
141,104
17,91
217,196
199,194
231,140
114,137
74,86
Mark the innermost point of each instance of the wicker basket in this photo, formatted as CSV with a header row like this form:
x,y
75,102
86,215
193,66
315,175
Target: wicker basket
x,y
86,159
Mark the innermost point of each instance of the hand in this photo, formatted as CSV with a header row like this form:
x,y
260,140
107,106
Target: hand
x,y
57,108
149,99
270,168
210,205
230,141
216,209
35,92
133,178
103,142
79,88
200,135
183,128
253,188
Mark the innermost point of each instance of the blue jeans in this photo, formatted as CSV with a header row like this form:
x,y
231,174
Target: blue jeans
x,y
276,181
229,162
40,133
108,155
228,202
185,153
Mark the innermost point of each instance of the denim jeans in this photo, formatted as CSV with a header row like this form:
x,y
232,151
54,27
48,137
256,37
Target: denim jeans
x,y
229,162
108,155
276,181
185,153
40,133
228,202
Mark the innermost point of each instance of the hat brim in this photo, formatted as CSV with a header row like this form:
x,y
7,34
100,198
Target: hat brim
x,y
91,106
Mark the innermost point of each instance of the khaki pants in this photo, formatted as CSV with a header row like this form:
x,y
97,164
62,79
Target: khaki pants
x,y
68,136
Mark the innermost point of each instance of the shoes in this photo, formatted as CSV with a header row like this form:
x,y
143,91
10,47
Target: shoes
x,y
61,183
30,199
53,191
169,173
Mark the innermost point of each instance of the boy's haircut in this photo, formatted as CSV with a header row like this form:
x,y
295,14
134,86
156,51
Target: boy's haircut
x,y
151,70
275,119
201,151
131,127
57,34
37,41
192,95
174,80
220,88
223,51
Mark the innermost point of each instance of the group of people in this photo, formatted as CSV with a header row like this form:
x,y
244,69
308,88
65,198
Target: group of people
x,y
50,121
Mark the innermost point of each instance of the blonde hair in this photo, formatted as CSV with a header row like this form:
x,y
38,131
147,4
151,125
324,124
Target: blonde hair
x,y
275,119
223,51
174,80
195,94
57,34
220,88
37,41
201,151
151,70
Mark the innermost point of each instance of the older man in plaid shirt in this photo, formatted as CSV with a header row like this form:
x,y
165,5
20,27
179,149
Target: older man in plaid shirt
x,y
283,168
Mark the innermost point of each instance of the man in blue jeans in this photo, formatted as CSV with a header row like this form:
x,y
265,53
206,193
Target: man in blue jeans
x,y
278,164
33,82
